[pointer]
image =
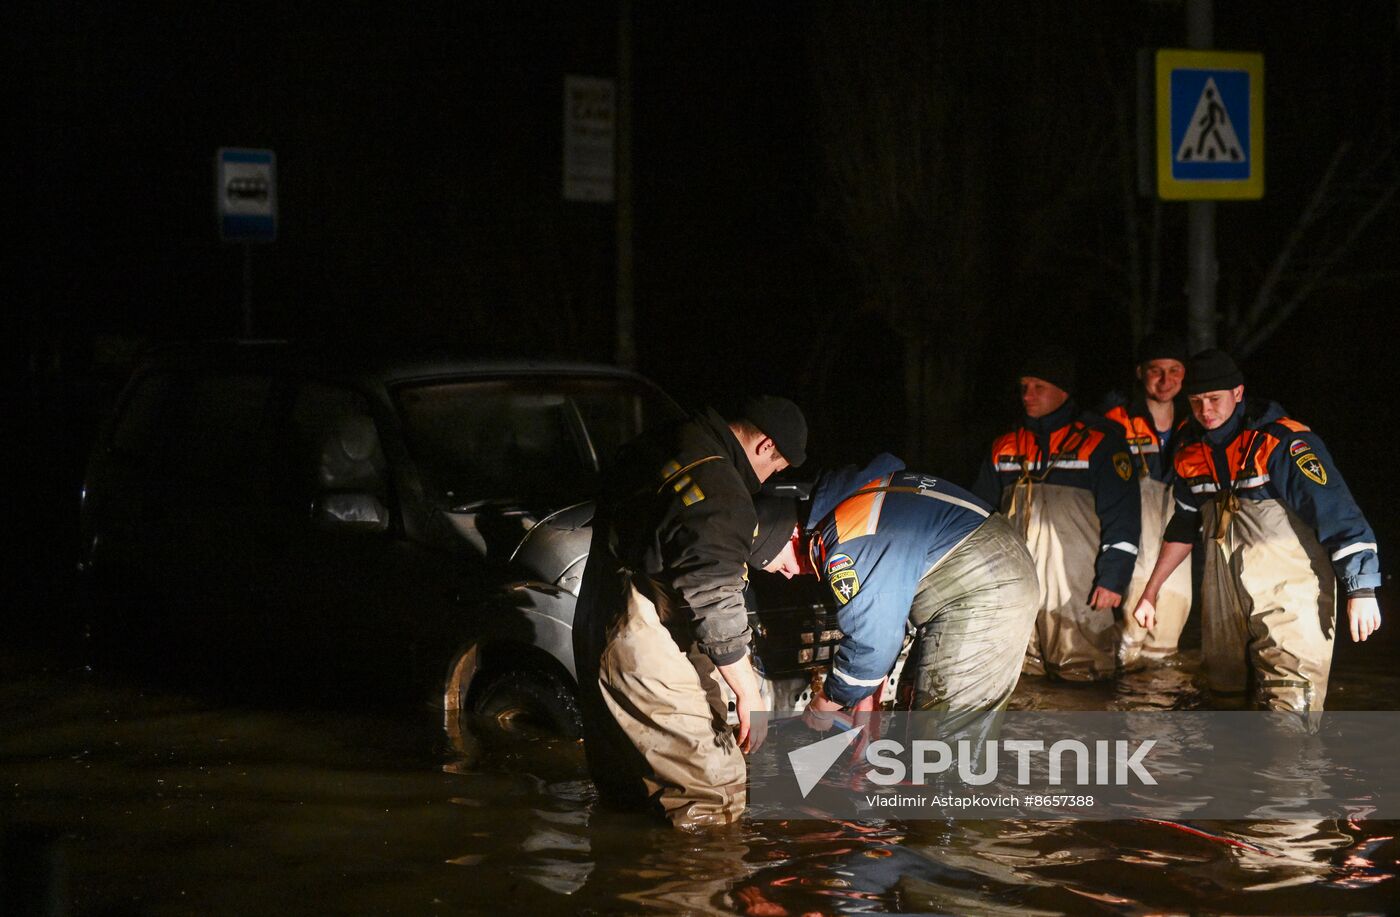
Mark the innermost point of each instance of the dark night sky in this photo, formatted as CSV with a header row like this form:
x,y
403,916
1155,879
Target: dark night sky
x,y
419,174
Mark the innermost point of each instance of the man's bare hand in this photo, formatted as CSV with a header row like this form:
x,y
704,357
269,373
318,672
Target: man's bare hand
x,y
743,681
1145,613
1105,599
819,713
1365,616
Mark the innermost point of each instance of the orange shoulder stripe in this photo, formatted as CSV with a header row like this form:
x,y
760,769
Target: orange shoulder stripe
x,y
857,516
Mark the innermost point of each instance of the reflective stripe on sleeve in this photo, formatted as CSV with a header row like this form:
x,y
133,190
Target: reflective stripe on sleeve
x,y
1188,507
859,682
875,508
1351,549
949,498
1121,546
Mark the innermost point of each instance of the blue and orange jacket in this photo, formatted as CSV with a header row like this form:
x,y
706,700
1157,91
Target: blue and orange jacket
x,y
1261,454
877,531
1070,448
1152,458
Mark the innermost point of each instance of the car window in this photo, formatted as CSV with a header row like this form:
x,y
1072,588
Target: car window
x,y
336,443
539,441
146,415
206,427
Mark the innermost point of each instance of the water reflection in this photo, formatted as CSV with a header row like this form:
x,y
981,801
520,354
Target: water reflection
x,y
162,804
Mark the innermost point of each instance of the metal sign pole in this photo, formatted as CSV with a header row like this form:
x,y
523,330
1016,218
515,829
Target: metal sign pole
x,y
247,290
1202,267
626,316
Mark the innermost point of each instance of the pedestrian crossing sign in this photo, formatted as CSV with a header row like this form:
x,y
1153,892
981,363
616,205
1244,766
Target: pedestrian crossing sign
x,y
1210,125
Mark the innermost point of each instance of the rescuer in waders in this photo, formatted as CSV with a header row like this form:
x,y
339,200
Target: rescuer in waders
x,y
1150,422
1280,529
661,616
1064,479
900,549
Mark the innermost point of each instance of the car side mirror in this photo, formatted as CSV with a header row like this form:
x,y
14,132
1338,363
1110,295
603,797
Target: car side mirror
x,y
350,512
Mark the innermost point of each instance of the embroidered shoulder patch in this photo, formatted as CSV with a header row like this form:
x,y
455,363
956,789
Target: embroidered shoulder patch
x,y
1298,447
844,584
1311,465
1123,465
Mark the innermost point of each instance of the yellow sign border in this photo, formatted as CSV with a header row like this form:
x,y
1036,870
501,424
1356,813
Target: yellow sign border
x,y
1246,189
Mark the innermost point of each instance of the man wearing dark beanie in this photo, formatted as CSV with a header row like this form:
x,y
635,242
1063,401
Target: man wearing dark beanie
x,y
1261,493
661,619
1149,421
1065,480
901,550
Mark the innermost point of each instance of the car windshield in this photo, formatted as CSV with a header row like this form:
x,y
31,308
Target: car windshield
x,y
537,441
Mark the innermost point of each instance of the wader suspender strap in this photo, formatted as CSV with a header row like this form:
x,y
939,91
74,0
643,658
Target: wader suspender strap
x,y
814,539
1070,443
1142,456
1227,500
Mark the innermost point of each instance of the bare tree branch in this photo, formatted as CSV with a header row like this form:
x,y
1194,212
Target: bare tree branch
x,y
1316,203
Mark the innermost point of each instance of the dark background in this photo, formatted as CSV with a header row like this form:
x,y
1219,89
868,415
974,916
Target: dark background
x,y
986,204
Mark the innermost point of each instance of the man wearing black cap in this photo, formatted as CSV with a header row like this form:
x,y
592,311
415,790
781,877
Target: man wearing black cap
x,y
1280,527
661,616
1065,479
899,549
1149,422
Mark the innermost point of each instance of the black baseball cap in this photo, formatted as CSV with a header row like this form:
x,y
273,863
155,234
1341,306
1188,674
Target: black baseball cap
x,y
782,422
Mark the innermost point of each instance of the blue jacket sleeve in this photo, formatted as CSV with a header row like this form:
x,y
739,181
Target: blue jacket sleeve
x,y
1118,503
1185,524
1304,476
873,625
987,487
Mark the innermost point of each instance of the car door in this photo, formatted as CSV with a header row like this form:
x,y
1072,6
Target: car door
x,y
349,590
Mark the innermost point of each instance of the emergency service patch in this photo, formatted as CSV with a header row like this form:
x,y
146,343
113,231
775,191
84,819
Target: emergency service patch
x,y
1123,465
1298,447
1311,465
839,562
844,585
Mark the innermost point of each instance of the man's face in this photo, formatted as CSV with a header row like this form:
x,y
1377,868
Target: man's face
x,y
1212,409
791,559
768,462
1039,397
1162,378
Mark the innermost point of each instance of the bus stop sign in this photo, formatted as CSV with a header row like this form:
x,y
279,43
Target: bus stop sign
x,y
245,192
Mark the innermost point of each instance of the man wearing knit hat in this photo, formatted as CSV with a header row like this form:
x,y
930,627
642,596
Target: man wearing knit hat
x,y
902,550
1065,479
1261,493
1149,422
661,619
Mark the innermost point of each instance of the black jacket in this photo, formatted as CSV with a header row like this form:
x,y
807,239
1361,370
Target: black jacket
x,y
678,506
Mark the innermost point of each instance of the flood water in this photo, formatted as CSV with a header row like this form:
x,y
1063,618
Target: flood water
x,y
118,799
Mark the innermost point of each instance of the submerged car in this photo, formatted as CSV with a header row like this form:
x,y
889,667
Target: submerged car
x,y
283,519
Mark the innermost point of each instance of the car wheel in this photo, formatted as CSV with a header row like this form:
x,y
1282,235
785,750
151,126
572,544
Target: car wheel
x,y
530,700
